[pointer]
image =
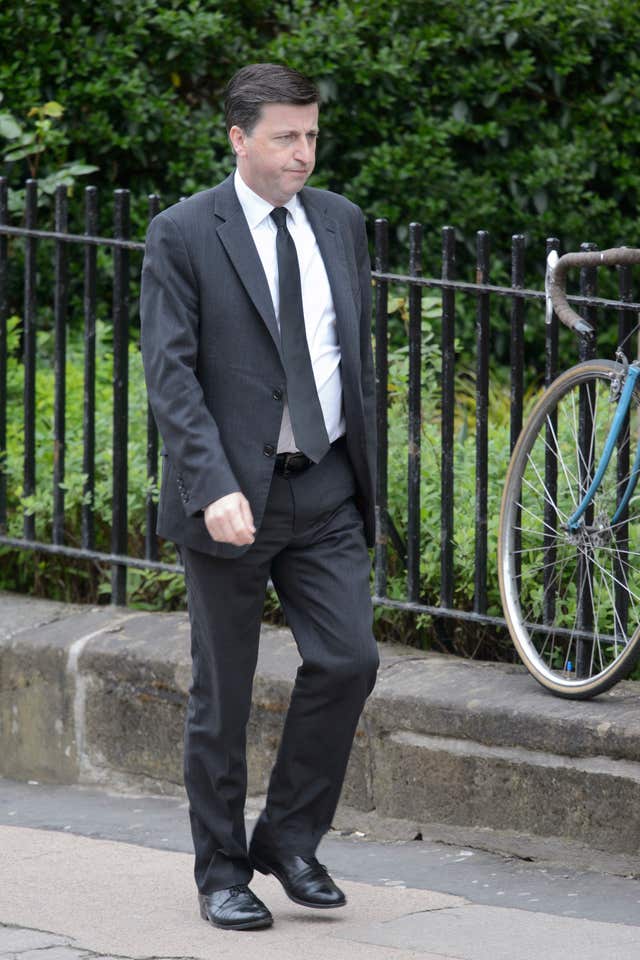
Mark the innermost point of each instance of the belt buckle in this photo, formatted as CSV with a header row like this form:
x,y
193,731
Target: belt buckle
x,y
285,466
290,458
283,469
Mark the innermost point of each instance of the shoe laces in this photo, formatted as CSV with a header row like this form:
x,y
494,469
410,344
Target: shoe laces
x,y
312,862
238,889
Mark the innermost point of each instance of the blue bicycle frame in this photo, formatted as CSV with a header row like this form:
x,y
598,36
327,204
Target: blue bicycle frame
x,y
573,523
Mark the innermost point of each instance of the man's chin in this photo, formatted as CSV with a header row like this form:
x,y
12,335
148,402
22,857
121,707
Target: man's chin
x,y
299,176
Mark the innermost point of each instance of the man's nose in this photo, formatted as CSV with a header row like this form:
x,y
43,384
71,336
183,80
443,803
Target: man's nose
x,y
304,150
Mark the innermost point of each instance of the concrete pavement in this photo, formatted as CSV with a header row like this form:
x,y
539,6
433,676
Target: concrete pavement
x,y
65,896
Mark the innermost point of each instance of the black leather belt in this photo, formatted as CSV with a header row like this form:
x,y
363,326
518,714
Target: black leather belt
x,y
287,463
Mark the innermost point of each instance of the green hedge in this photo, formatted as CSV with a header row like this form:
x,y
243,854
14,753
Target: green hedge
x,y
509,115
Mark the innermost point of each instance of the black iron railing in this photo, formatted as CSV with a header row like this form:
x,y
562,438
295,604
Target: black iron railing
x,y
483,291
408,547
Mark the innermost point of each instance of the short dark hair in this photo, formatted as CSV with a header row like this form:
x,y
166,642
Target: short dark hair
x,y
260,83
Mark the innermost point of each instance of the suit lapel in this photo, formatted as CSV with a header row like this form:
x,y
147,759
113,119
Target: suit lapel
x,y
235,236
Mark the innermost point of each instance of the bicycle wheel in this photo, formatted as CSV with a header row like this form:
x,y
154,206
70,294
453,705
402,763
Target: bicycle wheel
x,y
572,599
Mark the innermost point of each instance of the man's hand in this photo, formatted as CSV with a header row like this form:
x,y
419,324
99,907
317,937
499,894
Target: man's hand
x,y
229,520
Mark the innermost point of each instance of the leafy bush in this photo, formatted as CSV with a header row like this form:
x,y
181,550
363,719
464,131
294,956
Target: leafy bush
x,y
29,145
507,116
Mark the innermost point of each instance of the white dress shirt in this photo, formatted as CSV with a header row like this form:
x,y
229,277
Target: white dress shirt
x,y
317,303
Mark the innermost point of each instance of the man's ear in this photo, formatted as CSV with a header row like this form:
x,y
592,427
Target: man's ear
x,y
238,138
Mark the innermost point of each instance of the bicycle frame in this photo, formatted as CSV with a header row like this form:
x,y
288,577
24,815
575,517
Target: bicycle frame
x,y
573,523
556,299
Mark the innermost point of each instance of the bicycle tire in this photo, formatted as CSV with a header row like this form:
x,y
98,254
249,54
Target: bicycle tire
x,y
572,599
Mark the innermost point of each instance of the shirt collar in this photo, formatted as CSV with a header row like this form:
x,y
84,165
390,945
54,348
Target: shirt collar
x,y
255,208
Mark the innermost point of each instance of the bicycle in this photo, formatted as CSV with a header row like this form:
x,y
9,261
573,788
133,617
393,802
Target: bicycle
x,y
569,535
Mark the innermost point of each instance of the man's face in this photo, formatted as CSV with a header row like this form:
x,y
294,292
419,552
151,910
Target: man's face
x,y
279,154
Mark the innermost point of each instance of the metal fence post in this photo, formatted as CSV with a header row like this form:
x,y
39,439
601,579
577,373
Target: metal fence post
x,y
4,315
29,355
60,362
89,383
382,362
482,424
150,538
447,422
550,460
517,336
585,468
415,415
120,398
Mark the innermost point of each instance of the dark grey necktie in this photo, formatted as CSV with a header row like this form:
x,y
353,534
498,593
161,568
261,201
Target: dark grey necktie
x,y
309,429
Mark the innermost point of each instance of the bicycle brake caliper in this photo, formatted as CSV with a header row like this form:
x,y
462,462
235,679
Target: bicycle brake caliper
x,y
618,380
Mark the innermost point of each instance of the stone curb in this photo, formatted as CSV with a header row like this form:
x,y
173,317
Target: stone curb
x,y
97,696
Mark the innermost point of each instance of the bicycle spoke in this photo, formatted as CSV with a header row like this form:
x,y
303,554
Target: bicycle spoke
x,y
570,478
546,496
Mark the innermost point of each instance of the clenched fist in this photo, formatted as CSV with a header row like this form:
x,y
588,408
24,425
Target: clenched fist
x,y
229,520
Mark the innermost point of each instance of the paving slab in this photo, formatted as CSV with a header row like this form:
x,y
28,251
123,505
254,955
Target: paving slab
x,y
18,940
491,933
51,952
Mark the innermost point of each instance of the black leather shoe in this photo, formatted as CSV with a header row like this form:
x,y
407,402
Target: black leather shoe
x,y
234,908
305,881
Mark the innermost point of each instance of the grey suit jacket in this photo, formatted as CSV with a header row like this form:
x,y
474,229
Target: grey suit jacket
x,y
211,353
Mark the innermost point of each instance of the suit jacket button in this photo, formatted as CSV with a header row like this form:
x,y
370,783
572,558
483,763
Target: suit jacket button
x,y
268,450
277,394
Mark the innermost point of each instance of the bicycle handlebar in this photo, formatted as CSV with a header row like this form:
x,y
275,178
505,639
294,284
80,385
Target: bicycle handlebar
x,y
555,282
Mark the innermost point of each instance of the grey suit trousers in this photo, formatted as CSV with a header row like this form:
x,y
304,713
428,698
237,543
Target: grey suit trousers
x,y
311,543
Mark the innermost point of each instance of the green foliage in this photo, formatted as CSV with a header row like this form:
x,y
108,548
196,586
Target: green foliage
x,y
423,630
56,577
30,145
501,114
41,505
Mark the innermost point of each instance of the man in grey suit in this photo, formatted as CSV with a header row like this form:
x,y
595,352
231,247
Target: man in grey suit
x,y
256,305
